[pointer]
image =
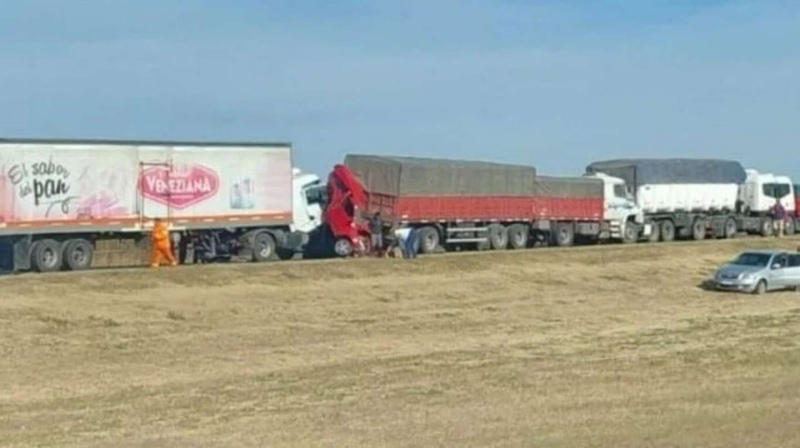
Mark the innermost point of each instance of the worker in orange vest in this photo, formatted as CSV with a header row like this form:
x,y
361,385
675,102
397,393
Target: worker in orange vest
x,y
162,246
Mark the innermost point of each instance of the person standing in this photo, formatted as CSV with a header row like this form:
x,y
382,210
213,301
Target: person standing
x,y
376,231
162,246
401,237
778,218
412,242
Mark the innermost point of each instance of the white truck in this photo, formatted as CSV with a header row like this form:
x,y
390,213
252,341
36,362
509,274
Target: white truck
x,y
689,198
759,191
60,198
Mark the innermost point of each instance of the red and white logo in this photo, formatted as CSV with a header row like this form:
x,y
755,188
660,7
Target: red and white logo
x,y
180,187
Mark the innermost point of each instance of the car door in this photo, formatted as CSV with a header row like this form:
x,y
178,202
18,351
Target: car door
x,y
777,272
792,273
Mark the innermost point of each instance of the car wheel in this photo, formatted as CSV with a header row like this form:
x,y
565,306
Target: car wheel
x,y
761,287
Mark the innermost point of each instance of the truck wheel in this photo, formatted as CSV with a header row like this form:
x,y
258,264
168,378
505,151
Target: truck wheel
x,y
78,255
428,240
565,234
731,229
46,256
631,233
698,229
498,237
766,227
285,254
667,231
789,226
343,247
655,232
263,247
517,236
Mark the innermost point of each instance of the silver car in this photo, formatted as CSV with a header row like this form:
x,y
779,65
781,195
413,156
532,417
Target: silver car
x,y
760,271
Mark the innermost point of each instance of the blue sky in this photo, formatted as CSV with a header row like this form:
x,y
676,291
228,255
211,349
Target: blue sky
x,y
553,84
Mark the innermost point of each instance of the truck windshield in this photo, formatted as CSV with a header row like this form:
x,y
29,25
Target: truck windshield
x,y
775,190
620,192
316,194
752,259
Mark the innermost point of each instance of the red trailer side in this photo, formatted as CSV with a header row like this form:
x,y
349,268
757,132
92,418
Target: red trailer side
x,y
569,198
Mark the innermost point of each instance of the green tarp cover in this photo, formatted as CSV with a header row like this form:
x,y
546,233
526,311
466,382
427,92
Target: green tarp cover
x,y
638,172
411,176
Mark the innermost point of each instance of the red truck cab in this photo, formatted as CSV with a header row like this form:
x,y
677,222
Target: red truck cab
x,y
347,200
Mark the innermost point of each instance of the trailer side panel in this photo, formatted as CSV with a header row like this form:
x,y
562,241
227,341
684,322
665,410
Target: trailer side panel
x,y
85,186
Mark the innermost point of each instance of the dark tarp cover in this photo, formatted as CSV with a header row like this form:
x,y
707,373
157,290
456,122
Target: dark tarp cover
x,y
638,172
412,176
569,187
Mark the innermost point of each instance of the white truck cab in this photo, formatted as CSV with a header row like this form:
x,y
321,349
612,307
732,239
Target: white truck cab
x,y
620,208
308,201
758,192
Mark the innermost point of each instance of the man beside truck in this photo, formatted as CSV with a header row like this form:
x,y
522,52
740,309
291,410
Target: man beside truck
x,y
778,218
162,246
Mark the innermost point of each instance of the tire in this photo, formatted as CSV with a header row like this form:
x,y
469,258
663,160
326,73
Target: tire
x,y
342,247
789,226
699,229
285,254
655,235
631,233
766,227
667,231
428,240
730,230
565,235
498,237
46,256
78,255
263,247
517,236
761,287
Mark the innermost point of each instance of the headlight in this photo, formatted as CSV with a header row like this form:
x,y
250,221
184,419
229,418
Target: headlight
x,y
746,276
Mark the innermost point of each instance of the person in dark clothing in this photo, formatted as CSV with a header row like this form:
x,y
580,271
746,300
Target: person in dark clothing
x,y
412,243
778,218
376,229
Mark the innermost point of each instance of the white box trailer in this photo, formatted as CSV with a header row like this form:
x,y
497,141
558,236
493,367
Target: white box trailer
x,y
226,199
693,198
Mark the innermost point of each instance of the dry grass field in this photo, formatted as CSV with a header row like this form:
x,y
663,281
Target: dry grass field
x,y
604,346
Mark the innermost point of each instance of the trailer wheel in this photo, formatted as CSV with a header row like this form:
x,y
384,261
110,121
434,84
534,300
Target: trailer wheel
x,y
343,247
730,229
498,237
46,256
698,229
667,231
78,255
655,232
263,247
517,236
766,227
789,226
428,240
565,234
